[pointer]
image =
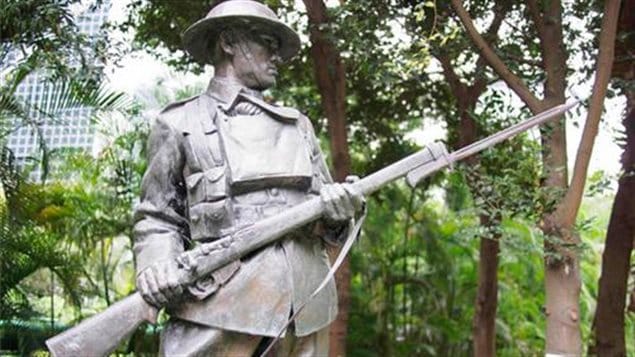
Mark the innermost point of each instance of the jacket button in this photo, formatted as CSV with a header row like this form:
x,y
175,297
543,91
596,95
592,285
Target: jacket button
x,y
274,192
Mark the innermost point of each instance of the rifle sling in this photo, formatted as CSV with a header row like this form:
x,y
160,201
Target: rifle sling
x,y
354,233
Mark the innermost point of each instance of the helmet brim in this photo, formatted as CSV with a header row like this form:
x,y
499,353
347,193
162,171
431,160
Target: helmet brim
x,y
200,38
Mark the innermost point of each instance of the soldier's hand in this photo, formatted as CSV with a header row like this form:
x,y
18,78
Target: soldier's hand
x,y
341,201
159,283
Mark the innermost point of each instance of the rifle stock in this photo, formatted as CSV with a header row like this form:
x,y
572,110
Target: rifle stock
x,y
101,334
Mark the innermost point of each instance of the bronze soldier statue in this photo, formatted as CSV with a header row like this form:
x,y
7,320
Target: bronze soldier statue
x,y
224,160
223,232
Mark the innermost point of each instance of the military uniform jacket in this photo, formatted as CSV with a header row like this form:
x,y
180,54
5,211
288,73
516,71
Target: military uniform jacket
x,y
186,199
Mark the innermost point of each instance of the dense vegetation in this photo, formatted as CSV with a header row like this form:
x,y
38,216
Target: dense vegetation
x,y
416,286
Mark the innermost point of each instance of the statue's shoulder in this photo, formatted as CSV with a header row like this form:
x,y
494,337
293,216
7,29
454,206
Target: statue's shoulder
x,y
177,107
179,114
305,122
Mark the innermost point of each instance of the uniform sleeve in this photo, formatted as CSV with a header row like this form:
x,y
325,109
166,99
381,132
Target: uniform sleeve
x,y
160,223
334,233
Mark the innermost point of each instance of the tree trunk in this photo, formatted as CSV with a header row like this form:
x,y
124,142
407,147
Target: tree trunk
x,y
331,81
486,302
562,294
484,322
562,278
562,274
609,318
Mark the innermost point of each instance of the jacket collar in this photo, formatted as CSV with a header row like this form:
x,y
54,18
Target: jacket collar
x,y
226,91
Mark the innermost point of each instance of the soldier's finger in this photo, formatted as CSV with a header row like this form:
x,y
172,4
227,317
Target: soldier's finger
x,y
144,290
161,277
338,208
327,199
149,294
173,282
344,204
153,285
357,198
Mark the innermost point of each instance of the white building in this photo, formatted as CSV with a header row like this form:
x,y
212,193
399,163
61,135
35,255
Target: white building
x,y
68,128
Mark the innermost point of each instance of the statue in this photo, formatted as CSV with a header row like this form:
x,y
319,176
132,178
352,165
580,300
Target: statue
x,y
237,207
225,160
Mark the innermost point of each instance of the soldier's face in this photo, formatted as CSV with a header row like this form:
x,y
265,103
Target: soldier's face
x,y
255,61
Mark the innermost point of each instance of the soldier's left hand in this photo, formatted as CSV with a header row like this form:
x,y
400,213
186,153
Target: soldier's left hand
x,y
341,200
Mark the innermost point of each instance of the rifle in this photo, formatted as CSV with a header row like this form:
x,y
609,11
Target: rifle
x,y
102,333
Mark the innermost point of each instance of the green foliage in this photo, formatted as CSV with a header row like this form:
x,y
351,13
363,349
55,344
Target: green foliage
x,y
414,270
26,245
598,184
44,35
413,293
408,282
44,254
78,225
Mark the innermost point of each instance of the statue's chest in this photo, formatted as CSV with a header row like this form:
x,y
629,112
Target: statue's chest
x,y
264,152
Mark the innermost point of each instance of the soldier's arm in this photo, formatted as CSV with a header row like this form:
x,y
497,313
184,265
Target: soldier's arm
x,y
160,223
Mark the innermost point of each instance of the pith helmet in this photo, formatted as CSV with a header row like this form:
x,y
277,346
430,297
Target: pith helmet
x,y
199,38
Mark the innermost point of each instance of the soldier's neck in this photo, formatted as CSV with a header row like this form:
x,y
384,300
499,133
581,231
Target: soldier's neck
x,y
227,89
226,72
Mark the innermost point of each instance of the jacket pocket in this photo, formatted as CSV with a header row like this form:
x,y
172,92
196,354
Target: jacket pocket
x,y
206,186
210,219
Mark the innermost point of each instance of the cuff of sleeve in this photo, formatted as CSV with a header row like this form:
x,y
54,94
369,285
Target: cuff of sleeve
x,y
160,249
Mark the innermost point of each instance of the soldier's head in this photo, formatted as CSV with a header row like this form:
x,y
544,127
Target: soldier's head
x,y
243,39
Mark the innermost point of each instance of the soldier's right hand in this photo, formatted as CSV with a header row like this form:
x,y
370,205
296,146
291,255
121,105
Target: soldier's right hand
x,y
159,283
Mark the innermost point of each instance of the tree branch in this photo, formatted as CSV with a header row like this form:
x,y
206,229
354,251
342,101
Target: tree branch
x,y
513,81
568,209
500,11
536,16
480,83
457,87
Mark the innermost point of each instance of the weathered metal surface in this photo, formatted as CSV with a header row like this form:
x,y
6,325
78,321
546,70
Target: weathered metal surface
x,y
101,334
197,37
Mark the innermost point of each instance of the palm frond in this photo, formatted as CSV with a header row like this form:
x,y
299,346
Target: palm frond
x,y
72,94
10,109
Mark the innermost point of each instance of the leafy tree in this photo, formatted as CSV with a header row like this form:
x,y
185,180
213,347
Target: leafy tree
x,y
27,245
42,36
562,279
609,323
